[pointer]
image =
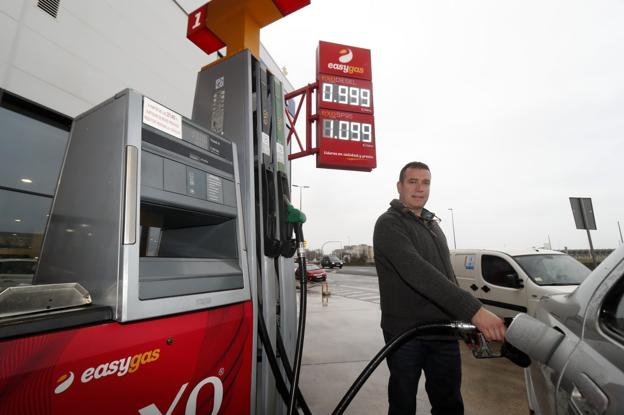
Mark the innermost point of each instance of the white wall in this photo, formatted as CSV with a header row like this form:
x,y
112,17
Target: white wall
x,y
94,49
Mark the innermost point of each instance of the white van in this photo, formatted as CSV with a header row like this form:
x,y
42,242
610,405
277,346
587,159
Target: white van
x,y
508,283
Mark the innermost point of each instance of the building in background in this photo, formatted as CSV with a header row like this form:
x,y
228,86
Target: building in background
x,y
58,59
357,254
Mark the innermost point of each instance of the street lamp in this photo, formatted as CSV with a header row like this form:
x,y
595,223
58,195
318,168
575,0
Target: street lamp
x,y
327,242
453,223
301,187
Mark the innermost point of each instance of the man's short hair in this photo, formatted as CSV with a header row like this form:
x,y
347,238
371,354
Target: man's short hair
x,y
412,165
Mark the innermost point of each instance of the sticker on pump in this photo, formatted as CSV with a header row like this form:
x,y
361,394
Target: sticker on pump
x,y
281,157
266,144
162,118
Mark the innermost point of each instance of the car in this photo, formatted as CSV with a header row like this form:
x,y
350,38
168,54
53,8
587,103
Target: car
x,y
576,344
330,261
313,272
17,271
509,282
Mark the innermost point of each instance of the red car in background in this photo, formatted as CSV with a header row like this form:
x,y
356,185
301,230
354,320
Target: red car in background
x,y
313,272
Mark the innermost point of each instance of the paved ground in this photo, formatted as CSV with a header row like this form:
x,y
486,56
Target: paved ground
x,y
343,334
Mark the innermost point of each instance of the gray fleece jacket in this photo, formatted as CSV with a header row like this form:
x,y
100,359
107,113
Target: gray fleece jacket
x,y
416,281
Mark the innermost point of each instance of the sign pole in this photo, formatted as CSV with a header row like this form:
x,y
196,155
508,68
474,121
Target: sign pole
x,y
591,249
583,213
591,245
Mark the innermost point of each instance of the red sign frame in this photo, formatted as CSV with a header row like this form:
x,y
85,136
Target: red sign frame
x,y
343,117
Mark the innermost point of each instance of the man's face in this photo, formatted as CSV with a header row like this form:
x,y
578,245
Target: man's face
x,y
414,189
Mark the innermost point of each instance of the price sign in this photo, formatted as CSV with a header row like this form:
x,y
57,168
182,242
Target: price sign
x,y
345,122
346,94
346,140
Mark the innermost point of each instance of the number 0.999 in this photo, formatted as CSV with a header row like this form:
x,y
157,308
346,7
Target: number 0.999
x,y
347,95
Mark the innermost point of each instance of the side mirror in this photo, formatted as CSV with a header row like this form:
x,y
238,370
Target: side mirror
x,y
533,337
514,280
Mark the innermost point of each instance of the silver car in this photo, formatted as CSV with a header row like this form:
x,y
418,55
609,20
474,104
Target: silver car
x,y
576,342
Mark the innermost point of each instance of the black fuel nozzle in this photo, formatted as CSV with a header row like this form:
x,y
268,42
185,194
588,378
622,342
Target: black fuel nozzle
x,y
515,355
475,340
480,347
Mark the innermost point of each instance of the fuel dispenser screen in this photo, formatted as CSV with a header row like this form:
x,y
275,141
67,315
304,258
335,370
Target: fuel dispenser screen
x,y
177,233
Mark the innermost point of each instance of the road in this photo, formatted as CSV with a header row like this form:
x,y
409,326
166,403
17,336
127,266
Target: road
x,y
359,283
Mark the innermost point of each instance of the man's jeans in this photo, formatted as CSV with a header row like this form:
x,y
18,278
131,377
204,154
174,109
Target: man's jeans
x,y
441,362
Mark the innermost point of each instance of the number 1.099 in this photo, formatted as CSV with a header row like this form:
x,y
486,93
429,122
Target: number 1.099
x,y
348,130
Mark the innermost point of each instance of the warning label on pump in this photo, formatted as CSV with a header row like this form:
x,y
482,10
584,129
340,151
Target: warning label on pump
x,y
215,189
162,118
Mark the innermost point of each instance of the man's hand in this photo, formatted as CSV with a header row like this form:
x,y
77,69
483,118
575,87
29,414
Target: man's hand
x,y
489,324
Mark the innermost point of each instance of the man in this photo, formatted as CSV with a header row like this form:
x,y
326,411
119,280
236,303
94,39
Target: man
x,y
417,286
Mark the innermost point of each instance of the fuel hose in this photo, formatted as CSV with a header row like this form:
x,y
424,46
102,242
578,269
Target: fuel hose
x,y
279,380
297,218
302,318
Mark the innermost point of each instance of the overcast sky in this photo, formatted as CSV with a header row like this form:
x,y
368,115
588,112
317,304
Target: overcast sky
x,y
515,106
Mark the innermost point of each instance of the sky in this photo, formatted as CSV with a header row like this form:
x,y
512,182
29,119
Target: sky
x,y
514,105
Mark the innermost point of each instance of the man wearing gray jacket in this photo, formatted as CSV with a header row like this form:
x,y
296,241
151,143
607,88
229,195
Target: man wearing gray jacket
x,y
417,286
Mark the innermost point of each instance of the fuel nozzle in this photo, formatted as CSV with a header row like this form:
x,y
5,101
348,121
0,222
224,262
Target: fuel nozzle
x,y
480,347
295,215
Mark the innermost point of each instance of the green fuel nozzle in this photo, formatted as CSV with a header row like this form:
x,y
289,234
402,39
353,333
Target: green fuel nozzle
x,y
295,215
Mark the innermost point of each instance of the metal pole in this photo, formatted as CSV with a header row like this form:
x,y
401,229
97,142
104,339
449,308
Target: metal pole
x,y
453,223
591,249
301,187
591,245
325,243
621,239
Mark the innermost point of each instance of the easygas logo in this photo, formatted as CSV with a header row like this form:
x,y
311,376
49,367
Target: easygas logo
x,y
64,382
345,56
119,367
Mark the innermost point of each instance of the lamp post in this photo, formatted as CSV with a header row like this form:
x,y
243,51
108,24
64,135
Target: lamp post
x,y
301,187
327,242
453,223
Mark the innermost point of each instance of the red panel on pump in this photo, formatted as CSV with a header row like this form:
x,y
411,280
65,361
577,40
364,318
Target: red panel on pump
x,y
198,33
198,363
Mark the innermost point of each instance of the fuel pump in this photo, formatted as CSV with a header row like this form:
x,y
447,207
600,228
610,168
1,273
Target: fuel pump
x,y
141,301
238,97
